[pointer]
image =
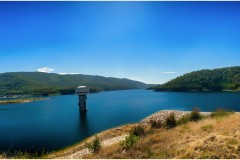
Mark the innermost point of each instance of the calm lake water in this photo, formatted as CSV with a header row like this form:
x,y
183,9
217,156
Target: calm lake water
x,y
56,122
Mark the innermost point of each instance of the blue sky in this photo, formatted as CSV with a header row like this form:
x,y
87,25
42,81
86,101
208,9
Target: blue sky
x,y
148,41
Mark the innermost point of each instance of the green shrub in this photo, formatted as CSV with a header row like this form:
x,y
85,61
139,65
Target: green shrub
x,y
207,127
138,130
220,113
156,124
184,119
130,141
95,145
171,121
195,115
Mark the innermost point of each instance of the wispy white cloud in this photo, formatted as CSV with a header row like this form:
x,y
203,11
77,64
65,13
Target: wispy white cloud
x,y
168,72
135,78
45,69
68,73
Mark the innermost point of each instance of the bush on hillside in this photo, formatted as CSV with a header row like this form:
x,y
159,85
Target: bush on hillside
x,y
195,115
138,130
130,141
171,121
157,124
94,146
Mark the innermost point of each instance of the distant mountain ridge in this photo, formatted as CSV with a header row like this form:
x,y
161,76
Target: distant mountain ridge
x,y
14,83
205,80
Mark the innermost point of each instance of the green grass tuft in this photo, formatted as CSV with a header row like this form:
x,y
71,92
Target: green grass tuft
x,y
130,141
207,127
220,113
184,119
95,145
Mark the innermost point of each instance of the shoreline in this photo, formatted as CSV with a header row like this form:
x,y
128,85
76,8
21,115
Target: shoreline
x,y
110,133
104,135
59,94
172,90
25,100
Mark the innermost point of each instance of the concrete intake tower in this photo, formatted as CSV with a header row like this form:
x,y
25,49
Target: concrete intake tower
x,y
82,92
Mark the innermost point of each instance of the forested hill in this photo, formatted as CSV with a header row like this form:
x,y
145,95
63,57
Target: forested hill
x,y
205,80
15,83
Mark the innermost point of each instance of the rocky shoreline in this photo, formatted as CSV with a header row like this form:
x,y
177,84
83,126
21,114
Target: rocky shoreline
x,y
163,114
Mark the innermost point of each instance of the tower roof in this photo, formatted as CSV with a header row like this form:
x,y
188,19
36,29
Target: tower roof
x,y
82,90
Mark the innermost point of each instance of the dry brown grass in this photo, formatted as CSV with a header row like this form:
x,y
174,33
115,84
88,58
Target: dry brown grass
x,y
191,140
106,152
114,132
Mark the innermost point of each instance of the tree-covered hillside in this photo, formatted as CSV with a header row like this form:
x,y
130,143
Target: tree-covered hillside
x,y
205,80
15,83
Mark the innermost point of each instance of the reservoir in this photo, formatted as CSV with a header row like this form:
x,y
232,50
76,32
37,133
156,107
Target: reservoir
x,y
56,122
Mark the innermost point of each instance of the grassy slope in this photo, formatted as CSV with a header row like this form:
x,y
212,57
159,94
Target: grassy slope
x,y
208,138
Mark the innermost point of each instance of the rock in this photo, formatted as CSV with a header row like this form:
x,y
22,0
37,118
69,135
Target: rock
x,y
163,114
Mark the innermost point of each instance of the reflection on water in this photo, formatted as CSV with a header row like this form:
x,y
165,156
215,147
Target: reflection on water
x,y
83,120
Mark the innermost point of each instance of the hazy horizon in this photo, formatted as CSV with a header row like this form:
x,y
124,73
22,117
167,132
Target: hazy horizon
x,y
151,42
